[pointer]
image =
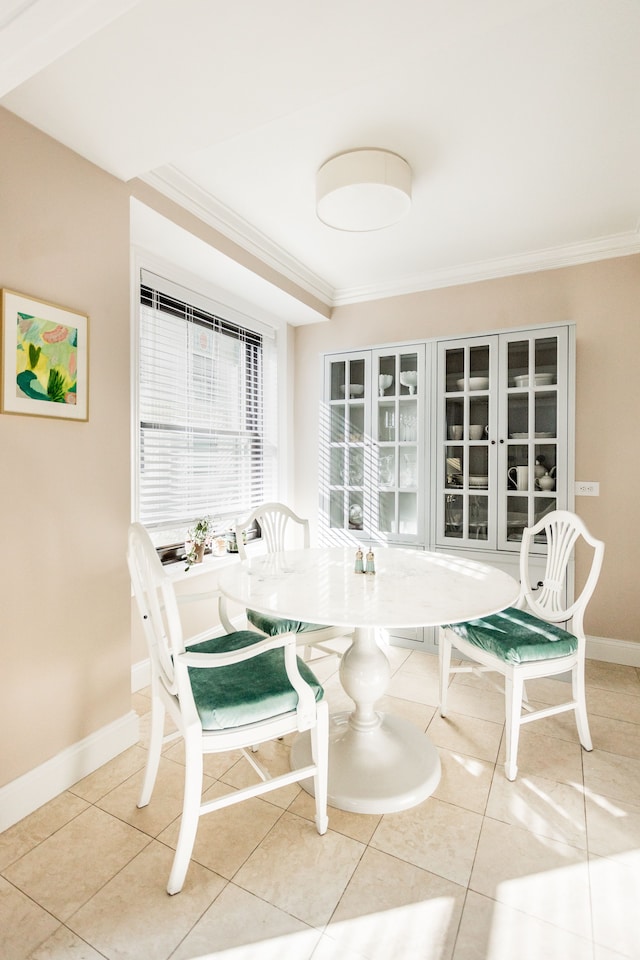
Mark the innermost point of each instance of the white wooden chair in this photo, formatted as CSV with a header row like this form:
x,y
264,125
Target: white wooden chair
x,y
225,691
280,526
525,642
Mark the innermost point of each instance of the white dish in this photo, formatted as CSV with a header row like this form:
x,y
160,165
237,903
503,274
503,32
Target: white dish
x,y
475,383
525,436
539,380
409,378
478,481
355,389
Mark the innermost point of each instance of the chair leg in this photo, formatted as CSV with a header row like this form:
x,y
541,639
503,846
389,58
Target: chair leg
x,y
444,663
190,811
320,755
513,709
579,695
156,735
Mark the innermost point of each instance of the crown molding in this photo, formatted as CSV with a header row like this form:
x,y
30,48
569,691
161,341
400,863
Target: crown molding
x,y
553,258
182,190
186,193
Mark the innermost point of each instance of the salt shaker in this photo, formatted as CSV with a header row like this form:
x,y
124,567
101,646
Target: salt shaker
x,y
371,565
359,567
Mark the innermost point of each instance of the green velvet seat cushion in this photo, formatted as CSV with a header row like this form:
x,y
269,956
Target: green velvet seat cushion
x,y
516,636
244,692
275,625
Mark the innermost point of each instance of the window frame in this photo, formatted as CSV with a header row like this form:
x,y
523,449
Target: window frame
x,y
168,537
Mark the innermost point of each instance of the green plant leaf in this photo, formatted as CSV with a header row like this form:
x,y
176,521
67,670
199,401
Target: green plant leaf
x,y
34,355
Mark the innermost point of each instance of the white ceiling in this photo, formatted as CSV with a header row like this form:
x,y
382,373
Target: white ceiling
x,y
519,119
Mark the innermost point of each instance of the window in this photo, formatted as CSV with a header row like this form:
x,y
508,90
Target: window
x,y
206,411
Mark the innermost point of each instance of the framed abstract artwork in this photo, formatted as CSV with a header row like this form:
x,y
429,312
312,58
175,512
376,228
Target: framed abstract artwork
x,y
45,359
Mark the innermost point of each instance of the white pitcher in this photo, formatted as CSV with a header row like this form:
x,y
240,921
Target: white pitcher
x,y
519,476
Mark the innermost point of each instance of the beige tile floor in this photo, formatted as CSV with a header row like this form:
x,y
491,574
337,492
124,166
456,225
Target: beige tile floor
x,y
546,868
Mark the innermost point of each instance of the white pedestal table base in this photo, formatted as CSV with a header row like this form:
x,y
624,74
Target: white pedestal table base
x,y
388,768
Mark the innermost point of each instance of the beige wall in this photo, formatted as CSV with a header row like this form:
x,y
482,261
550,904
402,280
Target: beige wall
x,y
64,486
602,299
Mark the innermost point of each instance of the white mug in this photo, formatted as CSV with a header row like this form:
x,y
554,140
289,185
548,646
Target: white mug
x,y
477,431
519,476
455,431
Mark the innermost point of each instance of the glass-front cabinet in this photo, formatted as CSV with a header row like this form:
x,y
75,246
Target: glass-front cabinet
x,y
502,436
374,419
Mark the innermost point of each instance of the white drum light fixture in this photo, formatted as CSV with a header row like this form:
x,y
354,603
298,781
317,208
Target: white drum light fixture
x,y
363,190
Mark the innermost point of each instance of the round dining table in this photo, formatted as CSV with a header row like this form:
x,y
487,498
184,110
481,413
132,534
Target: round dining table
x,y
378,762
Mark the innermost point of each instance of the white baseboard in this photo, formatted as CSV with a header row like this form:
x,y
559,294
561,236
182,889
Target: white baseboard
x,y
140,675
613,651
30,791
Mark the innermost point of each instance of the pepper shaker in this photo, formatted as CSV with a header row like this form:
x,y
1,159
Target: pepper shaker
x,y
371,565
359,567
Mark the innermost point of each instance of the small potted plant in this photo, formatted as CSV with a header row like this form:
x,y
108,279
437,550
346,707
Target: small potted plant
x,y
197,538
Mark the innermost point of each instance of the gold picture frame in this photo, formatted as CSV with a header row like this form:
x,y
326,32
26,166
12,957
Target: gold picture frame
x,y
45,359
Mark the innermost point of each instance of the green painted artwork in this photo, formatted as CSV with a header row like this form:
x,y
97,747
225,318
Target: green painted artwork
x,y
46,360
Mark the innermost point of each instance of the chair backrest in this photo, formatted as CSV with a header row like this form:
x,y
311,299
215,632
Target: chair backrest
x,y
156,601
547,600
274,519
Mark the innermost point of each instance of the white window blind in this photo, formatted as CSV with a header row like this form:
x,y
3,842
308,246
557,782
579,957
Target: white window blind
x,y
206,402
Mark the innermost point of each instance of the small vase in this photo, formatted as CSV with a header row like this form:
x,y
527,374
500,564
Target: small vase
x,y
199,552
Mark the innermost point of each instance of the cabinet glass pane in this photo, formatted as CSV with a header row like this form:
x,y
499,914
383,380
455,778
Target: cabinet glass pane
x,y
545,466
454,369
454,466
518,416
336,508
546,414
408,514
408,421
479,367
338,424
337,380
408,374
387,375
408,467
356,422
356,511
518,473
517,517
386,421
387,468
336,469
546,361
478,517
479,466
455,418
387,512
478,418
356,467
517,362
356,378
453,515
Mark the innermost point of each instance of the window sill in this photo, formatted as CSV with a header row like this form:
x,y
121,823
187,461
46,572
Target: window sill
x,y
210,564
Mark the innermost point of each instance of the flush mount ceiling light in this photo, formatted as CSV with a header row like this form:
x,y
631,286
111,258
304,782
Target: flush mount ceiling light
x,y
363,190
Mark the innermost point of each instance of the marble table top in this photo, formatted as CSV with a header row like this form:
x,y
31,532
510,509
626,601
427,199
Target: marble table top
x,y
411,588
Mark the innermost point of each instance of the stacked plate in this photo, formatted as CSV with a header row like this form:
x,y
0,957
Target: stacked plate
x,y
539,380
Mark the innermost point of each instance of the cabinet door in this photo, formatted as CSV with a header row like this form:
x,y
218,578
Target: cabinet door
x,y
345,433
466,439
399,393
533,444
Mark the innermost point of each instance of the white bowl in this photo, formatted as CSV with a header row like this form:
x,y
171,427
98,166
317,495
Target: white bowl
x,y
539,380
355,389
409,378
475,383
384,382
